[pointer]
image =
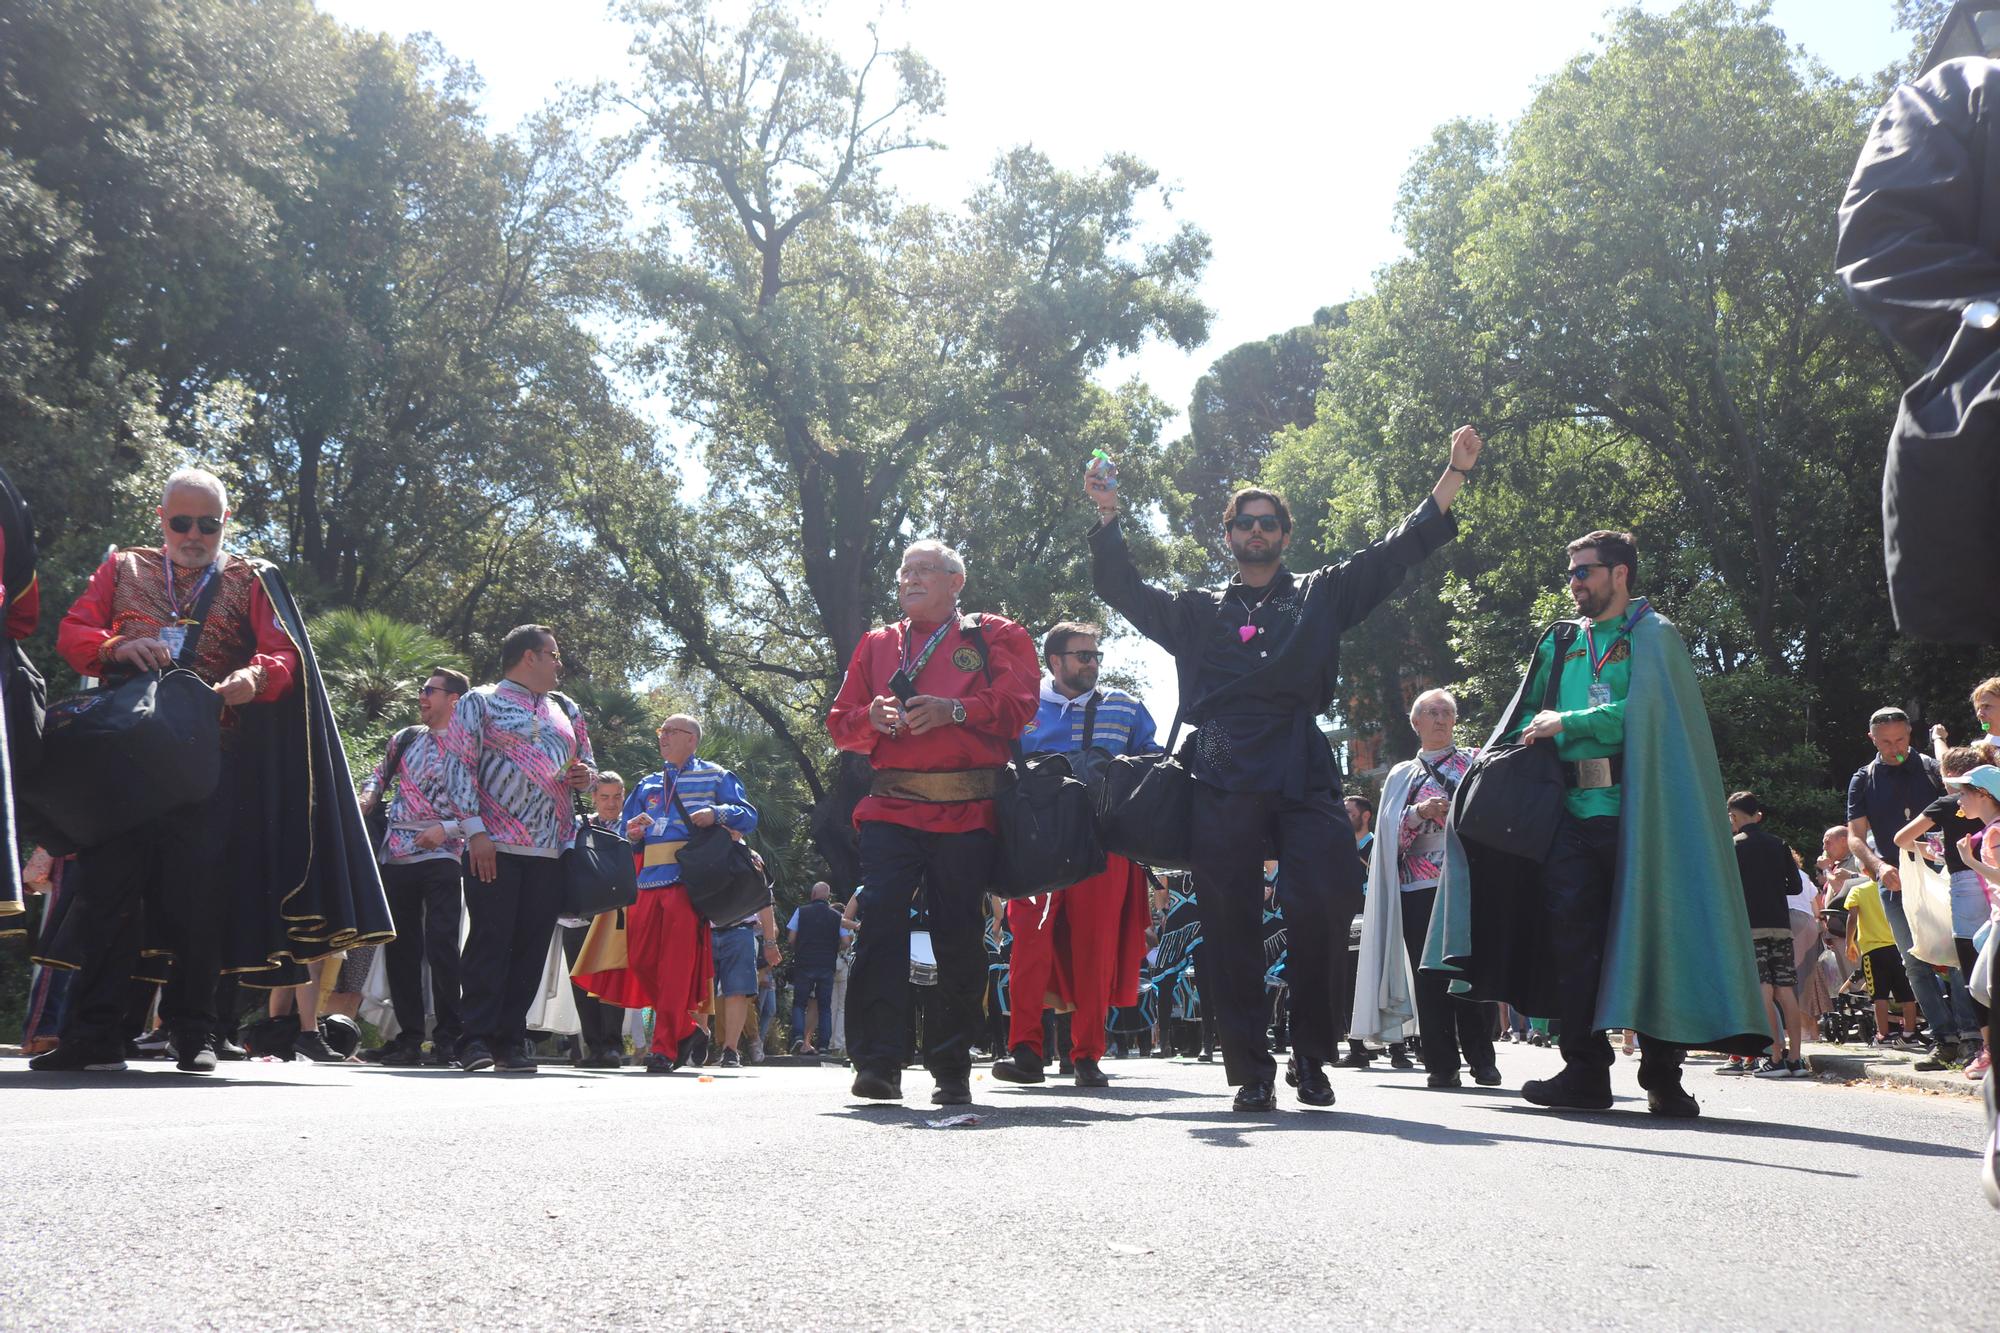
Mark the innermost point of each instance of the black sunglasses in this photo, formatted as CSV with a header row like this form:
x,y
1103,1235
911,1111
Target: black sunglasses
x,y
1085,655
1245,522
1578,573
427,690
182,522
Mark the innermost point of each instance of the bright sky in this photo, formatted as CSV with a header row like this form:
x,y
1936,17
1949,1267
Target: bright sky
x,y
1285,127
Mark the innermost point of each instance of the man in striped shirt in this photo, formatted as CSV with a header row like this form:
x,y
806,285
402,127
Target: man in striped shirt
x,y
669,947
422,871
515,752
1083,945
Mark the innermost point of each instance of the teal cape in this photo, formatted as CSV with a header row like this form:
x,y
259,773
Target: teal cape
x,y
1678,963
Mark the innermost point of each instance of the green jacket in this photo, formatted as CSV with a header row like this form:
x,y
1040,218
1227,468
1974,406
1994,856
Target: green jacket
x,y
1678,963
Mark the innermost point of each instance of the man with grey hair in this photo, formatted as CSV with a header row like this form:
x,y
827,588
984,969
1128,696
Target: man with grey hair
x,y
935,701
272,869
671,950
1409,847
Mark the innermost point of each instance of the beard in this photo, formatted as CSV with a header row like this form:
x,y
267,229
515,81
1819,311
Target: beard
x,y
1248,555
1593,604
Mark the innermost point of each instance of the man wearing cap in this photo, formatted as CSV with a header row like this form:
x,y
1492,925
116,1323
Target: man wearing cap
x,y
1885,794
1635,919
1085,944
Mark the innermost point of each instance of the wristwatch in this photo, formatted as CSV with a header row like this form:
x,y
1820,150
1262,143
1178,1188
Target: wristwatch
x,y
958,712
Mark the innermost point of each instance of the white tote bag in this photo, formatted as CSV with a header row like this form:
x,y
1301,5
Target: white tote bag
x,y
1927,904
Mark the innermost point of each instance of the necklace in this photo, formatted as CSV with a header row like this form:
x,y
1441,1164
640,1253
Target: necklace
x,y
1247,631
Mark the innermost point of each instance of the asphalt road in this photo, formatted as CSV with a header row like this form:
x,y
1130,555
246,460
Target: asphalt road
x,y
345,1197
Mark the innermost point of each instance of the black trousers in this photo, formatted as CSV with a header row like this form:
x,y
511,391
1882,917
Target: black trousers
x,y
1577,882
1448,1027
603,1025
174,872
1319,891
425,898
954,869
513,920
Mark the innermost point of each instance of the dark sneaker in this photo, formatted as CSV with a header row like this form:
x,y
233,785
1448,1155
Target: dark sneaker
x,y
155,1045
1444,1078
952,1091
659,1064
693,1050
877,1087
80,1057
195,1056
1676,1103
443,1053
520,1060
1399,1057
1567,1092
730,1059
228,1048
1089,1074
313,1047
1023,1066
1489,1077
473,1056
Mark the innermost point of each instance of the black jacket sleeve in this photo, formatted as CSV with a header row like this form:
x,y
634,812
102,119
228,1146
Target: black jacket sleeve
x,y
1165,618
1916,238
1368,576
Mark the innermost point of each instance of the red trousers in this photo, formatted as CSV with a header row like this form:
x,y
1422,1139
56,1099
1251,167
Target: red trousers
x,y
1066,953
670,966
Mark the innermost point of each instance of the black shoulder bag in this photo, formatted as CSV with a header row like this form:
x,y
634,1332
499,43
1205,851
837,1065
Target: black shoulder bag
x,y
377,818
1145,805
723,884
1511,798
1048,838
118,756
599,874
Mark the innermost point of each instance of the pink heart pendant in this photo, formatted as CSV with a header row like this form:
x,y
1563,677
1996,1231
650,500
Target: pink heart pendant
x,y
1247,633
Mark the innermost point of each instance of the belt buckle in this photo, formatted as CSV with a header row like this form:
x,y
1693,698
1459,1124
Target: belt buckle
x,y
1593,774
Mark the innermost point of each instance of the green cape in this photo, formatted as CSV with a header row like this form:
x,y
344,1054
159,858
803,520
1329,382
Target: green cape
x,y
1678,963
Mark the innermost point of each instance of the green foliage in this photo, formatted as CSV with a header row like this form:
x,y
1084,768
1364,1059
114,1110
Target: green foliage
x,y
372,665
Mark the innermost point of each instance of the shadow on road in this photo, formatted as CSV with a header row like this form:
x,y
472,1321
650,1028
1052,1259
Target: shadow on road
x,y
1760,1129
27,1080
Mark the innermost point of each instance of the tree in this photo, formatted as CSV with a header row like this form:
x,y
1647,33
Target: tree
x,y
372,665
856,371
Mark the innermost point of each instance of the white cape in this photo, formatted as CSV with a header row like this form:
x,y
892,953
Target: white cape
x,y
1385,1008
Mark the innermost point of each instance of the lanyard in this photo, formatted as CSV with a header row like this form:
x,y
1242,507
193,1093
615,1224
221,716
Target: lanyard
x,y
924,657
1597,660
194,595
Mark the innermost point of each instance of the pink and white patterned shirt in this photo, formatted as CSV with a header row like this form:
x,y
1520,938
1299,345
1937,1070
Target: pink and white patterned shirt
x,y
1420,841
508,751
419,794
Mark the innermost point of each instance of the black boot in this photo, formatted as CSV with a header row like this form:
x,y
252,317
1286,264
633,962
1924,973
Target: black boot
x,y
1023,1066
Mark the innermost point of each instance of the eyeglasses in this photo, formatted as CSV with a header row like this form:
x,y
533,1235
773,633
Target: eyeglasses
x,y
1085,655
182,522
679,731
1578,573
1262,522
425,691
908,572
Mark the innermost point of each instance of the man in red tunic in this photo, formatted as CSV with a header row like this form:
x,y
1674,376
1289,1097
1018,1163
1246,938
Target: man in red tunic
x,y
193,882
933,701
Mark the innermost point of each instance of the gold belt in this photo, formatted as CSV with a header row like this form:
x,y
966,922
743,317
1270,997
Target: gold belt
x,y
966,784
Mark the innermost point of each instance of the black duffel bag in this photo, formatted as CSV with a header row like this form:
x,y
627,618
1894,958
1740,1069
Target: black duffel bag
x,y
1145,806
1511,798
723,884
1048,834
599,874
152,742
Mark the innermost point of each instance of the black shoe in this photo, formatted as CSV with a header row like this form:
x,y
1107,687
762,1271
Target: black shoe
x,y
443,1052
951,1091
1089,1075
659,1064
193,1055
1676,1103
314,1048
396,1055
730,1059
520,1060
1023,1066
1315,1088
1444,1078
877,1087
1255,1097
1064,1066
1399,1057
80,1056
1357,1057
474,1056
604,1060
693,1050
1487,1077
1569,1092
1206,1057
227,1048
